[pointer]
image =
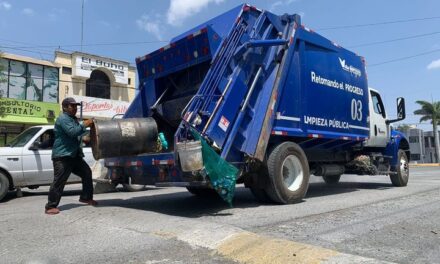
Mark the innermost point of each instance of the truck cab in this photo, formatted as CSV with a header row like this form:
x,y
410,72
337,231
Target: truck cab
x,y
380,131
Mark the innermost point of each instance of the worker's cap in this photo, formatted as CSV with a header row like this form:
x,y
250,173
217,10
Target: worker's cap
x,y
69,101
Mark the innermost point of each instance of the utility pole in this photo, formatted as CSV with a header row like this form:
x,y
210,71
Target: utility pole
x,y
82,24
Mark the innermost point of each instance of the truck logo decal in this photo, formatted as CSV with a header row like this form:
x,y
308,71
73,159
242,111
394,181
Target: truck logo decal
x,y
349,68
224,123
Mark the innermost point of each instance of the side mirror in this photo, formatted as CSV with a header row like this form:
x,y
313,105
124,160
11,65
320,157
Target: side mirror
x,y
401,112
35,146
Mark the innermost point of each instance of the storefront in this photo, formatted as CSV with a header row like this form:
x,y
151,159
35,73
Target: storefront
x,y
29,94
17,115
31,90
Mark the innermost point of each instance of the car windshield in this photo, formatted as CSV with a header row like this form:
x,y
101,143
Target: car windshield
x,y
24,137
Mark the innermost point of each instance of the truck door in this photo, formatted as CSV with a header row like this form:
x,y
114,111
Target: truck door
x,y
379,130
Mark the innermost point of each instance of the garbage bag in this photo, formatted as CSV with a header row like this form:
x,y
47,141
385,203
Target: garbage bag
x,y
222,175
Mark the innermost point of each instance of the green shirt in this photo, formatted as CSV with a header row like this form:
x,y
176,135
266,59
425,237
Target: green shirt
x,y
68,132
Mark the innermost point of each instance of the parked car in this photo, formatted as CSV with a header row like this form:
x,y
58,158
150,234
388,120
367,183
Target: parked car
x,y
26,161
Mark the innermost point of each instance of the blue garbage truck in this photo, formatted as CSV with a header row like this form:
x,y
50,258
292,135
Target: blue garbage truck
x,y
270,97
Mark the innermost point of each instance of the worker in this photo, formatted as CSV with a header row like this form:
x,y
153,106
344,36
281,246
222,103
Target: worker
x,y
67,157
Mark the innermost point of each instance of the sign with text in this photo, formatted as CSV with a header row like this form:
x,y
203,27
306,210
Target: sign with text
x,y
22,108
101,108
85,64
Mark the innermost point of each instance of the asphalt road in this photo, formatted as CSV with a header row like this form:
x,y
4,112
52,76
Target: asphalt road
x,y
361,219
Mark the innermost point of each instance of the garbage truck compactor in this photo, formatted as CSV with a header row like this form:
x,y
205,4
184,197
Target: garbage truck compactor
x,y
258,97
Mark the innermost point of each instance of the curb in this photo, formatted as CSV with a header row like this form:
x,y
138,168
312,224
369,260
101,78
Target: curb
x,y
425,165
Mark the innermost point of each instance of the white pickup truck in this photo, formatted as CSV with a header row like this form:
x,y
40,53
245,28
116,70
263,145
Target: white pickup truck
x,y
27,162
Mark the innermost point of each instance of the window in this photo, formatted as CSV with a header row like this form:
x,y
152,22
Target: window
x,y
413,139
67,70
28,81
129,81
432,141
426,142
377,104
415,156
98,85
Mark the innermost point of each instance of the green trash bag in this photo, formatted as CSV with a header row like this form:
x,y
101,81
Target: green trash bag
x,y
222,175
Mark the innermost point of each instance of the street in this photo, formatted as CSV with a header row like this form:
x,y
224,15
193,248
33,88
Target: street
x,y
363,219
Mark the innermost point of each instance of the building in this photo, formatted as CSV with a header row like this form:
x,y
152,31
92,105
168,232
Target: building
x,y
104,85
33,89
29,94
429,144
416,144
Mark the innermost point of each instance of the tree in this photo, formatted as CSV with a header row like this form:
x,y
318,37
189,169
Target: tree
x,y
403,127
431,111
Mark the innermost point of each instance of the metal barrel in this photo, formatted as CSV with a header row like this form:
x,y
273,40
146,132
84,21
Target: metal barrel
x,y
123,137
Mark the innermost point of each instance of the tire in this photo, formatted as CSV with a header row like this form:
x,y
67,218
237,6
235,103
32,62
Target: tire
x,y
401,177
288,174
334,179
202,191
4,185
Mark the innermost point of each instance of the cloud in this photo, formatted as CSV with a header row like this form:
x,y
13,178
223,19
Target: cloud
x,y
28,12
56,13
104,23
145,23
434,65
179,10
5,5
277,4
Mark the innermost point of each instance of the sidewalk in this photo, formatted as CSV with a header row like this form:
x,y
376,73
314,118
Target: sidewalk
x,y
424,164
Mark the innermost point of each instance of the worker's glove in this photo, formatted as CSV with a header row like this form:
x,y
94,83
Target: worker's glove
x,y
88,122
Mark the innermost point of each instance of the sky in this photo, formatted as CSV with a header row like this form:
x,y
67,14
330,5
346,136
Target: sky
x,y
400,39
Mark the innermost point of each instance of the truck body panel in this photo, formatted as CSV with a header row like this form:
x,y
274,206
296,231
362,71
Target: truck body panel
x,y
249,80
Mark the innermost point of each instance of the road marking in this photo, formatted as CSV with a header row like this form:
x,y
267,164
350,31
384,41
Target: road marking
x,y
247,247
252,248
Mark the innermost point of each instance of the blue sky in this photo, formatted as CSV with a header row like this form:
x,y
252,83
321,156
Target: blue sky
x,y
37,28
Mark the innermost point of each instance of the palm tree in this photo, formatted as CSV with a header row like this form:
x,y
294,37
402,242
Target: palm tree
x,y
431,111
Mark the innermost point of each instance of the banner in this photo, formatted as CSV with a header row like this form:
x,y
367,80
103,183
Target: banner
x,y
101,108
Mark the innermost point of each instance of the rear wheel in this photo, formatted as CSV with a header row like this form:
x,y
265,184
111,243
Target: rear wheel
x,y
401,175
288,174
4,185
334,179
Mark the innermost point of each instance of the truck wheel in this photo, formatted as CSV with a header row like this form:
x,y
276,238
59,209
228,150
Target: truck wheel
x,y
4,185
332,179
202,191
288,174
401,177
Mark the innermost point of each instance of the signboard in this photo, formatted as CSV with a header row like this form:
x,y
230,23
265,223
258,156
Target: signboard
x,y
85,64
30,112
101,108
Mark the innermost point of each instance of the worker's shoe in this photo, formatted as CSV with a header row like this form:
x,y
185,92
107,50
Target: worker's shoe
x,y
52,211
89,202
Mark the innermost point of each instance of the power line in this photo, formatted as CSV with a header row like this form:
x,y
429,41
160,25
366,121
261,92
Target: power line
x,y
394,40
380,23
90,45
403,58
